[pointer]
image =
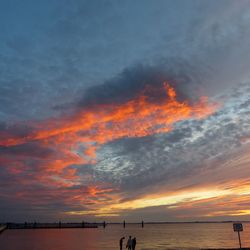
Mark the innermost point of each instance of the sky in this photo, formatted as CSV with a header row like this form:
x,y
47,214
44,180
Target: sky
x,y
135,110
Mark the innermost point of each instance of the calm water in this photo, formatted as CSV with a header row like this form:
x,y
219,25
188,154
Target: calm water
x,y
171,236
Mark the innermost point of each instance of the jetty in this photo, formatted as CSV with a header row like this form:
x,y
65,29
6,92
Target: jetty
x,y
36,225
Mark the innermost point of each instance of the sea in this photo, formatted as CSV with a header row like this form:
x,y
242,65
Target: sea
x,y
152,236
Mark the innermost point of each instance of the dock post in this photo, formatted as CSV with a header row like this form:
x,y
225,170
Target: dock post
x,y
239,239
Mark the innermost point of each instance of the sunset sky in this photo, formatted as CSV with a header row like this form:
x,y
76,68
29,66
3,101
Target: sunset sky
x,y
113,110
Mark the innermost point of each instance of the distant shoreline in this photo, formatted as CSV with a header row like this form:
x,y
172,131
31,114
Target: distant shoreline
x,y
180,222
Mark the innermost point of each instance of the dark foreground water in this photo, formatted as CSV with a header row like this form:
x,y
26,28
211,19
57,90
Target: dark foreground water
x,y
168,236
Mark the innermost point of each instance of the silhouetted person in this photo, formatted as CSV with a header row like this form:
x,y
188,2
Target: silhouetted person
x,y
121,242
129,243
124,223
133,243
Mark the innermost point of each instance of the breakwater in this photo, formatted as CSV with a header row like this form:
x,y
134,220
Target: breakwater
x,y
36,225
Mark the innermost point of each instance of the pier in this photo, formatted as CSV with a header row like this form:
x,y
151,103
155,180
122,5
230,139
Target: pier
x,y
60,225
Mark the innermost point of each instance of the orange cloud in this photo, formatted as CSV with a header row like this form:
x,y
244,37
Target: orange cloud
x,y
94,126
135,118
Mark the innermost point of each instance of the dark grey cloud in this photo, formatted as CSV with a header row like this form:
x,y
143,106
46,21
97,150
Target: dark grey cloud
x,y
27,149
14,130
147,80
